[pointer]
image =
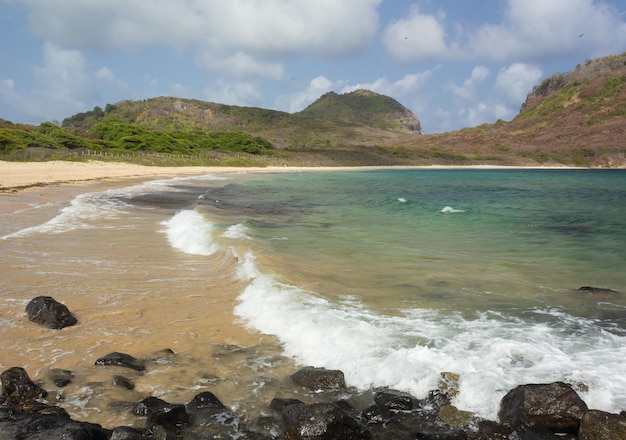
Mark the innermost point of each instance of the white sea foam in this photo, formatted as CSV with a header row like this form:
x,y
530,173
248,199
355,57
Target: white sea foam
x,y
492,353
81,213
86,210
189,232
401,200
238,231
450,209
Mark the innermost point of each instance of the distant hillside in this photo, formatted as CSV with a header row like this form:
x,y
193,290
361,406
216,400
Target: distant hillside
x,y
361,117
575,118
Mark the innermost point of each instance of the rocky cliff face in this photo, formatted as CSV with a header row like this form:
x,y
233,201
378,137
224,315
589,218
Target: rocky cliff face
x,y
550,85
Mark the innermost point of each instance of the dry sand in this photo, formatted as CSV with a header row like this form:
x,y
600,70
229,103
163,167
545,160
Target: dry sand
x,y
19,176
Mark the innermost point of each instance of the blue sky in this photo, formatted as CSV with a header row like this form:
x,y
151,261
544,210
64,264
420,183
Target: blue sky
x,y
454,63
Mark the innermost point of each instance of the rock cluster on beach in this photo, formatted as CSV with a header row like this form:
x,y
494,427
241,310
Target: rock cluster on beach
x,y
532,411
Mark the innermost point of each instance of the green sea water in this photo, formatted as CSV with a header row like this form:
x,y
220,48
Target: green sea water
x,y
391,275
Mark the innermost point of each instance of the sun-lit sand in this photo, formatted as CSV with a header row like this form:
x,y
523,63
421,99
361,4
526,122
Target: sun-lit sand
x,y
18,176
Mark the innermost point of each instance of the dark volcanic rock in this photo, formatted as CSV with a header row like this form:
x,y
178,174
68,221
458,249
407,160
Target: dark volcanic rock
x,y
319,378
160,412
599,425
17,388
204,401
279,403
555,406
590,290
121,360
321,421
45,310
37,421
123,382
396,400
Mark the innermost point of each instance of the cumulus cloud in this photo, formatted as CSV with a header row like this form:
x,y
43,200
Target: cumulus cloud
x,y
64,84
399,89
416,37
528,31
297,101
515,81
242,93
257,32
500,100
536,30
468,89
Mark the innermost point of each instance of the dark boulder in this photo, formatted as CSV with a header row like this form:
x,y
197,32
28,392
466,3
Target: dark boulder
x,y
123,382
321,421
45,310
17,388
205,401
319,378
121,360
160,412
556,406
38,421
279,403
396,400
590,290
600,425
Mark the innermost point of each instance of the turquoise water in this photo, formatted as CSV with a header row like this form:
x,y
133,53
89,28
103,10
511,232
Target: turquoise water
x,y
458,240
393,276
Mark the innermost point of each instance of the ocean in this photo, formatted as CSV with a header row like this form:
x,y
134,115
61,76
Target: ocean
x,y
391,275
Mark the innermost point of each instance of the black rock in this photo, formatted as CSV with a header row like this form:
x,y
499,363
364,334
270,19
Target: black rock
x,y
396,400
319,378
121,360
596,425
279,403
123,382
205,400
45,310
322,421
17,388
596,290
555,406
160,412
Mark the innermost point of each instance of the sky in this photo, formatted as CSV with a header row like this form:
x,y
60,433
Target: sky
x,y
454,63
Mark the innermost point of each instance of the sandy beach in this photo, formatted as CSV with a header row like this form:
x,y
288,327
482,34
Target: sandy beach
x,y
19,176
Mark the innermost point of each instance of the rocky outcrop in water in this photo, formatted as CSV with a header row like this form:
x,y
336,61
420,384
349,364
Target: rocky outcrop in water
x,y
534,411
45,310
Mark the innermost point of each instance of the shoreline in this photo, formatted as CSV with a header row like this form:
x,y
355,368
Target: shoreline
x,y
23,176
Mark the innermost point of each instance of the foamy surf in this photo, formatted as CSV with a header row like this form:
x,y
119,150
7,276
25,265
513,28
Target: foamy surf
x,y
189,232
492,353
450,209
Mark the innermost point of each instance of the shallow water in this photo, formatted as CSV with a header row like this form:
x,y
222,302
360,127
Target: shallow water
x,y
392,276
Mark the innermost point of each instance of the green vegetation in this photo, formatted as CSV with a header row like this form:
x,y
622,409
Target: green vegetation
x,y
116,137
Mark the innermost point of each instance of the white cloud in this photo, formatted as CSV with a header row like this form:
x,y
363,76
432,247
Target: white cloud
x,y
499,100
408,85
299,100
243,93
468,90
516,81
242,65
416,37
536,30
528,31
256,32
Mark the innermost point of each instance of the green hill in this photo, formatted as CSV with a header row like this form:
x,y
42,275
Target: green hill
x,y
575,118
359,117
